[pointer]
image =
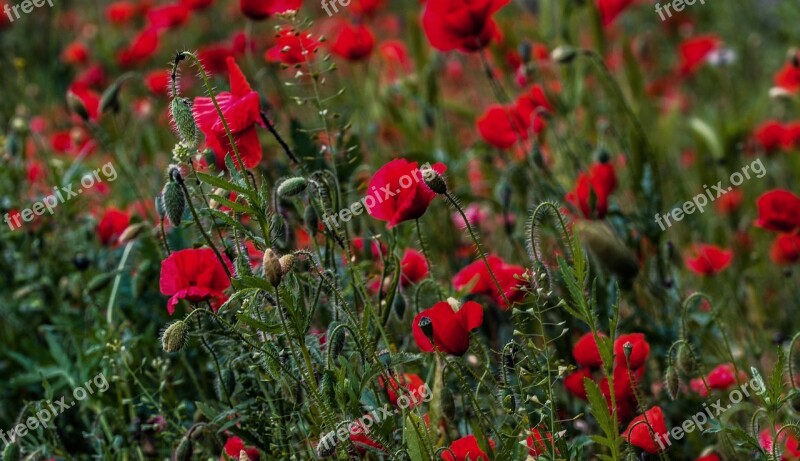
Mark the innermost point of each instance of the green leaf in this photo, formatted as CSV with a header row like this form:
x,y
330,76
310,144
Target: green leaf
x,y
414,440
216,181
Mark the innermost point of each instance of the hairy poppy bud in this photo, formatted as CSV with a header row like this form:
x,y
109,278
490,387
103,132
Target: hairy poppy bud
x,y
174,202
292,187
183,452
672,382
434,180
174,337
180,110
684,360
76,106
287,262
131,233
272,267
563,54
426,325
627,348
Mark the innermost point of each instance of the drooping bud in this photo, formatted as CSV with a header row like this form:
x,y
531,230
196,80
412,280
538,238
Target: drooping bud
x,y
292,187
174,337
399,306
433,180
131,232
287,263
426,325
183,452
672,382
272,267
684,359
563,54
185,126
174,202
76,105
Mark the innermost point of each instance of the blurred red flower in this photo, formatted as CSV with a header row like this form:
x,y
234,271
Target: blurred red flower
x,y
75,53
262,9
400,192
537,444
194,275
234,446
502,127
241,108
121,12
465,25
770,135
291,47
788,77
463,449
638,432
722,377
142,46
450,327
409,383
594,188
353,42
610,9
785,249
694,52
778,210
574,382
414,267
787,440
167,16
705,259
197,4
478,277
111,226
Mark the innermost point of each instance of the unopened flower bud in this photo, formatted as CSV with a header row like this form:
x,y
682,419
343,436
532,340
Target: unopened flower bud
x,y
131,232
563,54
434,180
627,348
76,105
272,267
426,325
292,187
174,202
180,110
684,359
174,337
672,382
183,452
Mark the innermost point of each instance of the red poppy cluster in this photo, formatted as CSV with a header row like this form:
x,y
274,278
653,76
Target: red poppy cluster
x,y
773,136
592,191
779,211
465,25
505,126
705,259
477,278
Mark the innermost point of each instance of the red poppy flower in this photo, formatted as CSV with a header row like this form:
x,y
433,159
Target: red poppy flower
x,y
594,188
778,210
409,383
694,51
450,327
167,16
785,249
698,386
770,135
708,259
365,7
262,9
241,108
791,136
234,446
722,377
157,82
639,433
143,45
790,445
788,77
400,192
414,267
610,9
574,382
711,457
502,127
538,444
194,275
586,352
111,226
465,25
353,42
463,449
121,12
75,53
478,276
292,47
639,352
623,383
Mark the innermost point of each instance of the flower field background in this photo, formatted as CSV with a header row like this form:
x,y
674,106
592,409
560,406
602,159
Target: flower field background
x,y
399,230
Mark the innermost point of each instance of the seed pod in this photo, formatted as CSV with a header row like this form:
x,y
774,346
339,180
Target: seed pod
x,y
272,267
292,187
672,382
434,180
174,337
287,263
183,452
11,452
174,202
183,120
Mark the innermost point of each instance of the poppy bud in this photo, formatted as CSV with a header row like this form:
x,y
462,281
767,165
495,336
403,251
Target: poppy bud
x,y
109,101
399,306
180,110
131,232
448,404
292,187
434,180
684,360
336,342
183,452
272,267
287,262
81,262
174,337
243,456
327,389
672,382
174,202
76,105
627,348
563,54
426,325
11,452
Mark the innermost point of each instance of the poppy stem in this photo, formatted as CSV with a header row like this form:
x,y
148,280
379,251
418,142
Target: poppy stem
x,y
200,226
453,202
279,138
